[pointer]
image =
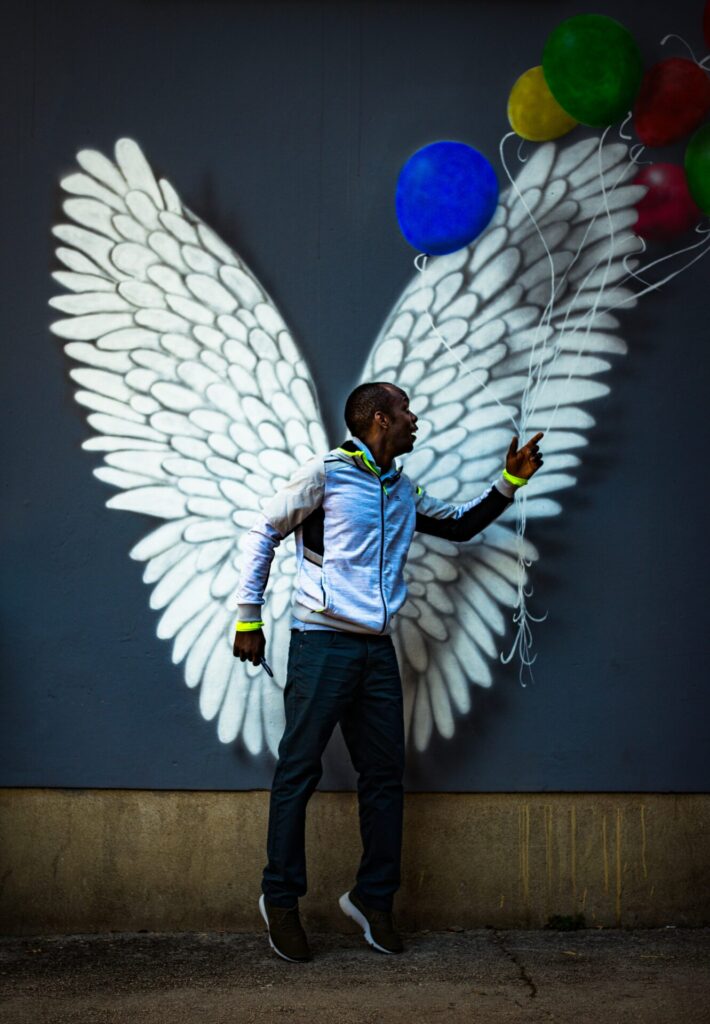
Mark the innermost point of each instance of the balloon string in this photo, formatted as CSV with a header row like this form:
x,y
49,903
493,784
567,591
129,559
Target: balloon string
x,y
524,639
598,296
649,287
635,152
622,135
546,376
597,300
659,284
571,306
547,312
442,339
630,272
672,35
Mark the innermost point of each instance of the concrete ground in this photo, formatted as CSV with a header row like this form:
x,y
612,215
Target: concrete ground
x,y
603,976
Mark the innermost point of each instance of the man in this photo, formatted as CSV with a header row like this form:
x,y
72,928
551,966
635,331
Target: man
x,y
354,513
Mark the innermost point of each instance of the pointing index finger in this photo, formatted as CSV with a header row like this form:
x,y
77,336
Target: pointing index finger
x,y
534,440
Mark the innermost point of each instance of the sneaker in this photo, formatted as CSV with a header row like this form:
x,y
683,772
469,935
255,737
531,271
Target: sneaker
x,y
377,925
286,934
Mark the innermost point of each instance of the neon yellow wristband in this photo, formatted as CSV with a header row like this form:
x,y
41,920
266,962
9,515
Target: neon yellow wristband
x,y
247,627
519,481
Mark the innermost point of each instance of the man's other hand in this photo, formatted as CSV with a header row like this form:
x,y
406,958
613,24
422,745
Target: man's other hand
x,y
250,645
525,461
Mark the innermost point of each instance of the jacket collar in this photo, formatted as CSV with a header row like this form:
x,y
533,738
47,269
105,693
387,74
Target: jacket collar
x,y
356,452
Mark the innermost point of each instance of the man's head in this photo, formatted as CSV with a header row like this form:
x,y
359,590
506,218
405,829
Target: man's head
x,y
379,414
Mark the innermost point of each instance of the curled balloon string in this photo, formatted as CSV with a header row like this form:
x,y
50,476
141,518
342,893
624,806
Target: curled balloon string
x,y
672,35
701,63
521,158
630,271
444,342
622,133
635,152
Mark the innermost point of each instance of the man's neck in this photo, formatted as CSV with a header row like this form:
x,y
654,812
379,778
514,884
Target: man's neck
x,y
380,451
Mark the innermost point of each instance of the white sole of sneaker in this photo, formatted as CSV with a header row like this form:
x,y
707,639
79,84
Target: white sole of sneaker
x,y
351,910
262,908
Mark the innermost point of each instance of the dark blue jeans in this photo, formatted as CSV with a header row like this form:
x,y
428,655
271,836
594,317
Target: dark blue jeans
x,y
353,679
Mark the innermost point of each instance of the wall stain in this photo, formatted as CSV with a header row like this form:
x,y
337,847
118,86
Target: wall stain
x,y
524,831
548,849
573,848
617,902
605,856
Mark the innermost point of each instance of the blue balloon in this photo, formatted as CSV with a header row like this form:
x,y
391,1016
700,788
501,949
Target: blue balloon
x,y
447,193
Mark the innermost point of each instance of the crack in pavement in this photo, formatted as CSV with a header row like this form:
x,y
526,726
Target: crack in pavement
x,y
498,939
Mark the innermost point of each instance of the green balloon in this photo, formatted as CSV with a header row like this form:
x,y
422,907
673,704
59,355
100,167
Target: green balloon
x,y
697,167
593,68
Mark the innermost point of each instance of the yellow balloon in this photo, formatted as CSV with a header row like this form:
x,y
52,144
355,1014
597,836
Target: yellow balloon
x,y
533,111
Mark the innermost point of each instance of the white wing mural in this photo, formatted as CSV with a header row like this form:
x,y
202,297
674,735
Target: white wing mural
x,y
203,405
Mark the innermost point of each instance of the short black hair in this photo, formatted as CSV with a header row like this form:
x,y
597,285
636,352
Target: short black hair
x,y
365,401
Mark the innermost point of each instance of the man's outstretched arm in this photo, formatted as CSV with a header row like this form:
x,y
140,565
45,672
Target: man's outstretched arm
x,y
462,522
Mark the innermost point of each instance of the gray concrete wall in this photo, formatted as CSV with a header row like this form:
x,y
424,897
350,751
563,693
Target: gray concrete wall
x,y
123,860
285,126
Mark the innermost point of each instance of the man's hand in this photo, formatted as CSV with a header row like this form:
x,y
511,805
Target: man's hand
x,y
250,645
527,460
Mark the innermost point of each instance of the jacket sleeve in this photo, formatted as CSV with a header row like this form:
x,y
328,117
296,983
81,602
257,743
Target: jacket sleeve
x,y
462,522
281,514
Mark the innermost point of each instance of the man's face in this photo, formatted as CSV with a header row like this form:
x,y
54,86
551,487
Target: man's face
x,y
403,424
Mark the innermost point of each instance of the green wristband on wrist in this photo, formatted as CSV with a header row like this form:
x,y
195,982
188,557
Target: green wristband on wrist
x,y
248,627
519,481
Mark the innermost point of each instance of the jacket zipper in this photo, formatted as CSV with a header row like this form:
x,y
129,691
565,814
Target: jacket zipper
x,y
382,550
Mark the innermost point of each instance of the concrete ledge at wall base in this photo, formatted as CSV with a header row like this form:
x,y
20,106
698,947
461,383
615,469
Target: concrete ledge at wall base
x,y
93,860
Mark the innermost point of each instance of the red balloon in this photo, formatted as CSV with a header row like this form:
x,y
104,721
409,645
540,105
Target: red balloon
x,y
673,99
667,209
